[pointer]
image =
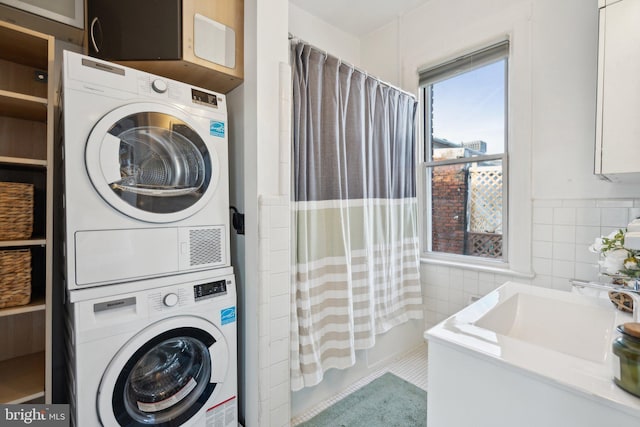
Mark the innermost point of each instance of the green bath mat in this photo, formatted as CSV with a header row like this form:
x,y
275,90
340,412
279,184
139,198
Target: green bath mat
x,y
387,401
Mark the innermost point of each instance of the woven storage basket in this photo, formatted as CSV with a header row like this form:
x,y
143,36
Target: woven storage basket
x,y
16,211
622,301
15,277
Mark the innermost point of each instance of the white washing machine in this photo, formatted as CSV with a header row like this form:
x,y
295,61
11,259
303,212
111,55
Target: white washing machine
x,y
146,175
164,356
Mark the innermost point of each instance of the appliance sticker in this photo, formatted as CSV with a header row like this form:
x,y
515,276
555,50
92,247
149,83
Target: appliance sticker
x,y
224,413
228,315
216,128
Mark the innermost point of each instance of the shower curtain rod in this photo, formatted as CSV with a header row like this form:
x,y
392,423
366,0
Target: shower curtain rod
x,y
294,39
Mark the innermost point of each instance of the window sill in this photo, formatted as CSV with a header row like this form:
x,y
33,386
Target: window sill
x,y
478,267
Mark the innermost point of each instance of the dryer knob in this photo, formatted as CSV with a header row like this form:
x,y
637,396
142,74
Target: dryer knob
x,y
170,300
159,86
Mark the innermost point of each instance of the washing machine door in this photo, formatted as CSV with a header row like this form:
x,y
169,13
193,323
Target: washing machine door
x,y
152,162
165,375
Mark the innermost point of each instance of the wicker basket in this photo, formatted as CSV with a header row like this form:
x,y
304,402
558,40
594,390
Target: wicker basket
x,y
15,277
623,302
16,211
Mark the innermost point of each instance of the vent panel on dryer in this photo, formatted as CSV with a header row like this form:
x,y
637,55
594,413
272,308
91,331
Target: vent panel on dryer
x,y
205,246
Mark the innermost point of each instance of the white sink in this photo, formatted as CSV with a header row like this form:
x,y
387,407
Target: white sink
x,y
578,330
544,355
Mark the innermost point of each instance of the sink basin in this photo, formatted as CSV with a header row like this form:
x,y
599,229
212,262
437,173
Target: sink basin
x,y
521,344
578,330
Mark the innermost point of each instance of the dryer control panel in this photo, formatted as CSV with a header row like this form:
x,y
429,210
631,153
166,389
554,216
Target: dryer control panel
x,y
211,289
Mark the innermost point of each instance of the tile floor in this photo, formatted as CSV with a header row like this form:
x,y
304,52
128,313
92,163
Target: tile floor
x,y
411,367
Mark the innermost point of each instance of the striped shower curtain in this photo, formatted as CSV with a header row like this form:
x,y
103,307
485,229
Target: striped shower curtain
x,y
356,242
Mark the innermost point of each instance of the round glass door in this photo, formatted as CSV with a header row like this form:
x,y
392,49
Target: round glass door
x,y
167,380
148,161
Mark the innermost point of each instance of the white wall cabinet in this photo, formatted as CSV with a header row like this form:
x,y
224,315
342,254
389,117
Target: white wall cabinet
x,y
618,106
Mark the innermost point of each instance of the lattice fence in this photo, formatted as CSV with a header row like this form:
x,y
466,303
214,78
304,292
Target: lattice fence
x,y
484,244
485,199
484,236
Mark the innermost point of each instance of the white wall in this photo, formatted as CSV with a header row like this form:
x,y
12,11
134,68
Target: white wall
x,y
564,109
443,30
570,206
265,49
323,35
563,52
382,53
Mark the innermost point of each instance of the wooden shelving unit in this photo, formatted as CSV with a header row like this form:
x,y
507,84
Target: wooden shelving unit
x,y
36,304
16,243
22,378
26,153
22,106
23,162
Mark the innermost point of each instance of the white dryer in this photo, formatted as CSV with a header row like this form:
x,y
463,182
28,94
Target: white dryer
x,y
146,175
164,356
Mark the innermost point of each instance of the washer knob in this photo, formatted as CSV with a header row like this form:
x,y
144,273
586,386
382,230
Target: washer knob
x,y
159,86
170,300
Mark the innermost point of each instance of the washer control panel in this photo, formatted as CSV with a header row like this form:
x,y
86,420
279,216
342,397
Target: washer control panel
x,y
170,299
211,289
161,301
159,86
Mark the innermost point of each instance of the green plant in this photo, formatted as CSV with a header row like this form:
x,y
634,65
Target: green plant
x,y
616,259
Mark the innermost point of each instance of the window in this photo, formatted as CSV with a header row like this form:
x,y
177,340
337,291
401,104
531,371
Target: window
x,y
465,144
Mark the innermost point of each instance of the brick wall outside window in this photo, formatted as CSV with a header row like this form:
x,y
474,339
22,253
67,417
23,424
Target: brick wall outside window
x,y
449,206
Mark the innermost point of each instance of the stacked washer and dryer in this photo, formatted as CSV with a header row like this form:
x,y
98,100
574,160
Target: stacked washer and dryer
x,y
151,313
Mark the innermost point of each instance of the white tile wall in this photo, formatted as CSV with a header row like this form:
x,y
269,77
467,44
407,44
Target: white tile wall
x,y
562,232
274,311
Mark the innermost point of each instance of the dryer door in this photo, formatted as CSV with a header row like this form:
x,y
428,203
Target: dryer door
x,y
152,162
167,373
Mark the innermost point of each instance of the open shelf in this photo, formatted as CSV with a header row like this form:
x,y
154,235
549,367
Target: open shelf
x,y
22,378
20,161
36,304
17,243
23,46
24,142
21,106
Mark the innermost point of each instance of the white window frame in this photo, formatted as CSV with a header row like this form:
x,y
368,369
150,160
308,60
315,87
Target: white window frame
x,y
430,76
519,139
